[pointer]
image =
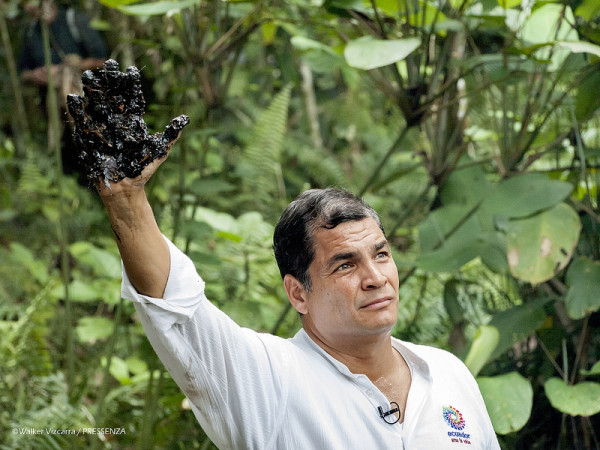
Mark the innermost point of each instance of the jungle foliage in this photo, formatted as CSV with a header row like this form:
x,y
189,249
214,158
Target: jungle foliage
x,y
472,126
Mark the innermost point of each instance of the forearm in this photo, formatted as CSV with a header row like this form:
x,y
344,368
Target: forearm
x,y
143,249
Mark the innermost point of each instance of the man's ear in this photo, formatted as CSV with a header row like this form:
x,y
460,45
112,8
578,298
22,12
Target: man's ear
x,y
296,293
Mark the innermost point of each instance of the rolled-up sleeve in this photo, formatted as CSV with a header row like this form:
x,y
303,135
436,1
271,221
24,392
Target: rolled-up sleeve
x,y
183,294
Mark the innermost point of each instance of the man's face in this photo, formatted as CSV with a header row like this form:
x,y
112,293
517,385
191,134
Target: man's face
x,y
354,284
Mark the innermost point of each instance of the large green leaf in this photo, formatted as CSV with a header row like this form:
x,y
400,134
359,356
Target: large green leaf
x,y
517,323
492,251
486,340
102,262
91,329
86,291
219,221
541,28
540,246
320,57
583,279
508,399
526,194
369,53
450,257
118,369
468,185
456,219
582,399
80,291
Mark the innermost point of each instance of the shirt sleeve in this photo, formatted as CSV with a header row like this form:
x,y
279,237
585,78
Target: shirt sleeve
x,y
234,378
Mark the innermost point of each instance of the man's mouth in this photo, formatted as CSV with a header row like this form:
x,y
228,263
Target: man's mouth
x,y
378,303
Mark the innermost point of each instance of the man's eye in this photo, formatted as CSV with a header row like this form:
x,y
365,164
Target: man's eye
x,y
343,266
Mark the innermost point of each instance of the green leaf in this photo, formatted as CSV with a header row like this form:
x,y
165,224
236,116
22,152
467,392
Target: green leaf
x,y
508,399
582,399
304,44
580,47
586,104
583,279
254,228
468,186
595,370
588,9
450,257
492,251
230,236
217,220
268,31
91,329
540,27
156,8
196,231
368,53
540,246
526,194
436,228
116,3
426,15
135,365
80,291
486,340
517,323
507,4
208,188
102,262
23,256
118,369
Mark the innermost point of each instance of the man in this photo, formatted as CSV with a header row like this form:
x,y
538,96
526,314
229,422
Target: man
x,y
342,382
74,47
70,35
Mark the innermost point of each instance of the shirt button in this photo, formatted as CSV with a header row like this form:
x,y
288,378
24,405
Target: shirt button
x,y
370,392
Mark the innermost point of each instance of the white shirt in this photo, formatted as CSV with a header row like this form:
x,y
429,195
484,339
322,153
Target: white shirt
x,y
252,390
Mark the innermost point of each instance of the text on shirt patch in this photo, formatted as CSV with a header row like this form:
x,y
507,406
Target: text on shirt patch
x,y
454,418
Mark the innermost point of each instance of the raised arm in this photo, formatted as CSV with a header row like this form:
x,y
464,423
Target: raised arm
x,y
118,156
143,249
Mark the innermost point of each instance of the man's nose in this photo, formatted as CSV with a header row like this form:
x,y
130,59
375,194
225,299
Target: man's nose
x,y
372,276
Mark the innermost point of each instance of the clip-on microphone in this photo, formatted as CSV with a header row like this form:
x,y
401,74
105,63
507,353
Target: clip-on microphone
x,y
384,414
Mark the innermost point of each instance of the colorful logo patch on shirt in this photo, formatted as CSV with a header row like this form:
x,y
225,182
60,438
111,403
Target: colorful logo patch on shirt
x,y
453,417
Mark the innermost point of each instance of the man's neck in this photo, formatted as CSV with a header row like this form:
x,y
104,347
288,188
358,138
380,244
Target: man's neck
x,y
373,356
